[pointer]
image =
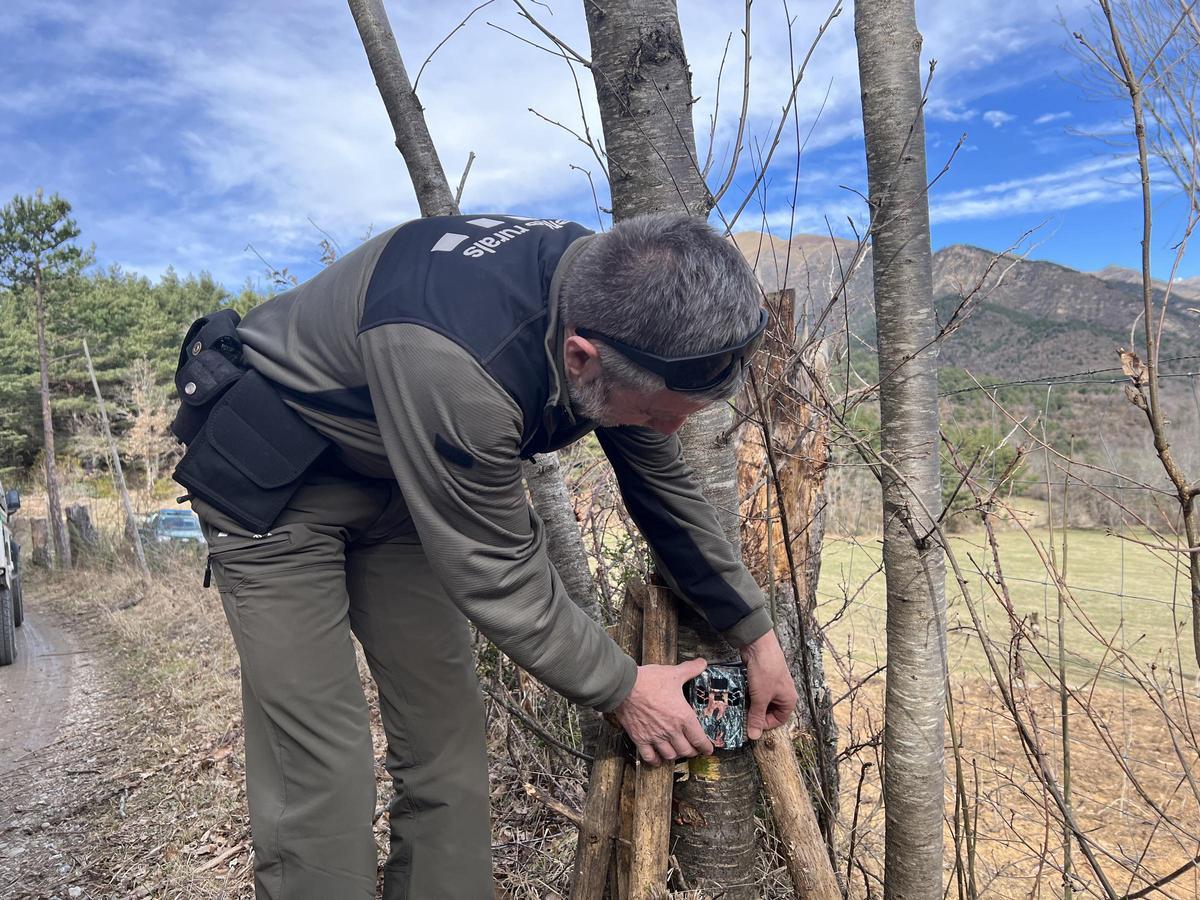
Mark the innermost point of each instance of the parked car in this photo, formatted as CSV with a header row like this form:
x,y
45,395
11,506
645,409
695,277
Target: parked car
x,y
173,526
12,612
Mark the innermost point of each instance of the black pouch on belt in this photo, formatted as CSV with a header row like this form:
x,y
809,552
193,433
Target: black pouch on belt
x,y
247,450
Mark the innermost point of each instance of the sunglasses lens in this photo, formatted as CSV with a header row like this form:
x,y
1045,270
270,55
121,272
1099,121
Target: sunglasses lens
x,y
703,373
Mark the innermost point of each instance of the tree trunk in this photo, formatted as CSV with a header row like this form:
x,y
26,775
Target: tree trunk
x,y
403,108
564,542
131,528
82,531
643,86
888,59
782,525
58,527
39,543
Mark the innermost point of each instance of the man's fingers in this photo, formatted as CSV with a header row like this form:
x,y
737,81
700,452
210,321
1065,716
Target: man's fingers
x,y
690,669
665,751
646,752
756,718
697,738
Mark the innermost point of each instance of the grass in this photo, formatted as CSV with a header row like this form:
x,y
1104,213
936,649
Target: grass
x,y
1123,593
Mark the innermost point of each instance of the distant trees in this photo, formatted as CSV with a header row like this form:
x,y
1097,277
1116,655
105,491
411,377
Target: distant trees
x,y
38,257
133,326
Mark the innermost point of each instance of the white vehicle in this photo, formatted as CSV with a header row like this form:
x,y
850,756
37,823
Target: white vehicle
x,y
11,611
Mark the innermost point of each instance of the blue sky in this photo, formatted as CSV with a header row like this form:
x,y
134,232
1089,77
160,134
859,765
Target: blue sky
x,y
184,132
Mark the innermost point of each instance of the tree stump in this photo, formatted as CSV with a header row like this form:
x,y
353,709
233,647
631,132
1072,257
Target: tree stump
x,y
82,532
39,543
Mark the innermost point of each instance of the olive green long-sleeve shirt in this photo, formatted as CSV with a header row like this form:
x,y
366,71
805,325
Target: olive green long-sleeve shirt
x,y
414,401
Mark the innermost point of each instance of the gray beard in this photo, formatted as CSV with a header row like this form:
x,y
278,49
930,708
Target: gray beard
x,y
591,400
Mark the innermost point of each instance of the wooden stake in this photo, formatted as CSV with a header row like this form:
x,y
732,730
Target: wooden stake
x,y
795,822
595,845
118,472
652,795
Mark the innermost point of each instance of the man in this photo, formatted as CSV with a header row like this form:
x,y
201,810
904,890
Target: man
x,y
417,371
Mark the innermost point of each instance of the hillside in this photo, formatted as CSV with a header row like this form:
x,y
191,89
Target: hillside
x,y
1027,316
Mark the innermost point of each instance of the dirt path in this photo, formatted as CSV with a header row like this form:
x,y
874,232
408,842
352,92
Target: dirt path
x,y
56,706
36,690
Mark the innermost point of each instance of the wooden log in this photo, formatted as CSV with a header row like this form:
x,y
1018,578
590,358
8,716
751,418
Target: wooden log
x,y
82,532
39,542
800,837
652,795
594,848
623,858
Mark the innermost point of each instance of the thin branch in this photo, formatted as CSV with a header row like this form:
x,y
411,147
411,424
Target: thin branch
x,y
564,47
417,80
737,146
462,182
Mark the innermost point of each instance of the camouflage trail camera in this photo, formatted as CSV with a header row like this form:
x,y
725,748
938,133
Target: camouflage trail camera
x,y
718,695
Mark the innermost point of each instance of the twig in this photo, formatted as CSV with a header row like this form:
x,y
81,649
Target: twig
x,y
462,182
466,19
536,728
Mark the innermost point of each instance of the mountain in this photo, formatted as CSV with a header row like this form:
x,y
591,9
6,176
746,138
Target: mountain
x,y
1025,318
1186,289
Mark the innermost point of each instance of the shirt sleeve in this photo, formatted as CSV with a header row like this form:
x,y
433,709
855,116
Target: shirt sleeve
x,y
681,527
452,436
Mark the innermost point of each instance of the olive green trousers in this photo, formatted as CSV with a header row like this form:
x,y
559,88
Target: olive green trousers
x,y
342,560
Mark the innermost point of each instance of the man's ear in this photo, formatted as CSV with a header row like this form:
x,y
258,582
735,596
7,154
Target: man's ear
x,y
581,358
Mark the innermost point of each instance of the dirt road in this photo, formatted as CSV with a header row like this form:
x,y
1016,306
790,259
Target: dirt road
x,y
55,744
36,691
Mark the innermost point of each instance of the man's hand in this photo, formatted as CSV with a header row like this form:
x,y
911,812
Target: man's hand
x,y
657,717
772,691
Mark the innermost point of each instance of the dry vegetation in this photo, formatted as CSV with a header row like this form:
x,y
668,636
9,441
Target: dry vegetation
x,y
166,813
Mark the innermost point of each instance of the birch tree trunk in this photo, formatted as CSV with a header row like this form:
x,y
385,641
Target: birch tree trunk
x,y
58,526
889,48
408,118
564,543
435,198
643,86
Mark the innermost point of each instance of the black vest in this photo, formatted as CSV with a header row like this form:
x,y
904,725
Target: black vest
x,y
483,281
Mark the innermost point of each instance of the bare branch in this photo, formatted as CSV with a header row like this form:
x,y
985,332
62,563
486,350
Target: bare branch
x,y
466,19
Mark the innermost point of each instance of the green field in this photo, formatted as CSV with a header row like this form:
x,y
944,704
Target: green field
x,y
1130,594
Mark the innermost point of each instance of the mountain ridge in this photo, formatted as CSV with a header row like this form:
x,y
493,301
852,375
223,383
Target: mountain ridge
x,y
1022,313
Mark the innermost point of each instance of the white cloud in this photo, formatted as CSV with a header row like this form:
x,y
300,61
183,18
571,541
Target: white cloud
x,y
1052,117
213,125
1094,181
997,118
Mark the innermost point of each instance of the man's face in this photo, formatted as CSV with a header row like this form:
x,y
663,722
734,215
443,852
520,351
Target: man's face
x,y
610,406
664,411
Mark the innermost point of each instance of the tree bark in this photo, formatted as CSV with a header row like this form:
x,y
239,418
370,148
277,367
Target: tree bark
x,y
564,543
888,59
594,847
795,823
643,87
652,794
782,525
58,527
407,115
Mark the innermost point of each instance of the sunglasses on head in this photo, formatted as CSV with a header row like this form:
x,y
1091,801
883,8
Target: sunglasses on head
x,y
690,374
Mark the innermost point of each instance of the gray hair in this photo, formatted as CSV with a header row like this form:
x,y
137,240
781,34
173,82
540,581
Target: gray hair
x,y
665,283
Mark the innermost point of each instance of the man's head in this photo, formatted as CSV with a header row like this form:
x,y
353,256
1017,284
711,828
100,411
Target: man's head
x,y
659,312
